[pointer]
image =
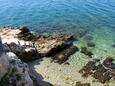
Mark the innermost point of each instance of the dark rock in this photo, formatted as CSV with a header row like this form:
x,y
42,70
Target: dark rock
x,y
85,51
24,30
108,63
82,84
113,45
25,34
86,70
102,72
26,56
91,44
62,56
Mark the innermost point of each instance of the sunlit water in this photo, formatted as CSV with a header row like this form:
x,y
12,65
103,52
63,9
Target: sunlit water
x,y
58,14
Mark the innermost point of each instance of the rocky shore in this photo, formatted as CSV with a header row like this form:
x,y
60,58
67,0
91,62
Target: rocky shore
x,y
19,47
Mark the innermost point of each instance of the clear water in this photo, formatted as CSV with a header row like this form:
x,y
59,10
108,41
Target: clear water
x,y
58,15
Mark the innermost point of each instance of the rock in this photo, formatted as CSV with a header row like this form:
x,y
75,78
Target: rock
x,y
47,45
13,72
91,44
4,63
103,72
44,46
25,53
87,69
30,54
13,47
25,34
17,74
82,84
108,63
64,55
85,51
24,30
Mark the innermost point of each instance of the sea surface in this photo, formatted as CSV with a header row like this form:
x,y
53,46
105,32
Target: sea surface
x,y
58,15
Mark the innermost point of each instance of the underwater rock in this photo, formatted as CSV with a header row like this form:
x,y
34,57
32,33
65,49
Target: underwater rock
x,y
85,51
82,84
87,69
62,56
108,63
91,44
102,72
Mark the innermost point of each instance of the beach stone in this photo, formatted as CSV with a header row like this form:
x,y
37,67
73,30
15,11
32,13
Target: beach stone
x,y
64,55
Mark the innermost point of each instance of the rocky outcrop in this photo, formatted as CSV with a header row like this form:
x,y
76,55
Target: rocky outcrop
x,y
37,46
13,72
47,45
25,53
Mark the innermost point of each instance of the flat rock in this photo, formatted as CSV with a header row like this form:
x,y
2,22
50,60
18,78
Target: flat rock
x,y
46,45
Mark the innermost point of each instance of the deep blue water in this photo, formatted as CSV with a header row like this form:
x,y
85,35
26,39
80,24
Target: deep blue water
x,y
58,15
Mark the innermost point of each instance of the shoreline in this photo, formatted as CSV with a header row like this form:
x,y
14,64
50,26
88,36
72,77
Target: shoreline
x,y
74,61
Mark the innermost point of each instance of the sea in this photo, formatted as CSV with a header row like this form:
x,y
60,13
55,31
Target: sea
x,y
58,15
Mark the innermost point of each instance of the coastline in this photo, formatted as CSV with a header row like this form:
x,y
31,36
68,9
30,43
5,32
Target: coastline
x,y
67,73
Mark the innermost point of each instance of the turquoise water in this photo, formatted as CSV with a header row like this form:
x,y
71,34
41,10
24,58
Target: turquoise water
x,y
58,15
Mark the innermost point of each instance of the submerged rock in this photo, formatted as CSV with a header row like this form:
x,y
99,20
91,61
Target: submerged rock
x,y
102,72
64,55
85,51
82,84
91,44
